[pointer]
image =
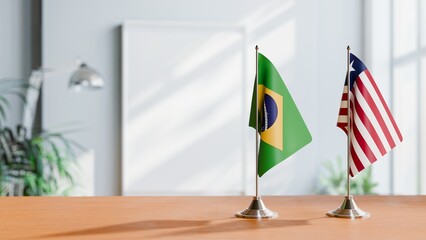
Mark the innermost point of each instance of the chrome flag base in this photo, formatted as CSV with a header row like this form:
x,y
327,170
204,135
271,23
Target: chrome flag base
x,y
257,209
349,209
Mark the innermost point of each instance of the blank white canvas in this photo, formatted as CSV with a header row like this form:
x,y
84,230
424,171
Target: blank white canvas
x,y
183,114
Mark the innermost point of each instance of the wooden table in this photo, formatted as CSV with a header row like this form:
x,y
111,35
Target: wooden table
x,y
301,217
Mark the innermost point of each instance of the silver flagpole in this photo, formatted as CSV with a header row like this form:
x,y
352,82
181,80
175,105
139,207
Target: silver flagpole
x,y
348,209
257,208
257,122
348,82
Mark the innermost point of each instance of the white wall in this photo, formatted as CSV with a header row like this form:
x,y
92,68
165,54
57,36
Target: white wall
x,y
305,39
378,60
15,47
399,76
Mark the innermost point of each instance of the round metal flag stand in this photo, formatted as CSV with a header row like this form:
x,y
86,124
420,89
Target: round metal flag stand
x,y
349,209
257,209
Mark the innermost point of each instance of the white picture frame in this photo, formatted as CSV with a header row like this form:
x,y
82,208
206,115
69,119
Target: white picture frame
x,y
184,109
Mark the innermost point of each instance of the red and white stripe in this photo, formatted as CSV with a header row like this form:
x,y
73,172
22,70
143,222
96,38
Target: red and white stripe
x,y
373,131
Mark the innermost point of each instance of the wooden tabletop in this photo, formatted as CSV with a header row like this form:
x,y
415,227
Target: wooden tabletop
x,y
301,217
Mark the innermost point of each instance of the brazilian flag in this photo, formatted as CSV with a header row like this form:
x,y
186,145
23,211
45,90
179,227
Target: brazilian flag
x,y
280,125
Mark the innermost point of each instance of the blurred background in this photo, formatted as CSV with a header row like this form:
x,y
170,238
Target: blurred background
x,y
172,117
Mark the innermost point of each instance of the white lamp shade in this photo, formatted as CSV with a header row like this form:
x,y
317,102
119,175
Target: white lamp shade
x,y
86,77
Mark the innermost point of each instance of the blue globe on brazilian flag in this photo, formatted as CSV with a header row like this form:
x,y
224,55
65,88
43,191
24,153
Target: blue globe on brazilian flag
x,y
280,125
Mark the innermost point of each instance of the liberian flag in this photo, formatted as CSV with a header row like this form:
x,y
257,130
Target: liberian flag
x,y
373,131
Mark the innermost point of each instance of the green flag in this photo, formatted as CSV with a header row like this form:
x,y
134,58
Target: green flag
x,y
281,127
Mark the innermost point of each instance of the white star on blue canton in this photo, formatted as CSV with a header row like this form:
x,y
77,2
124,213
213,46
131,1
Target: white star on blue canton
x,y
352,69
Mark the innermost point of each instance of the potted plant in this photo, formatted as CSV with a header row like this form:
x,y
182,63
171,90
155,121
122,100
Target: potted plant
x,y
32,164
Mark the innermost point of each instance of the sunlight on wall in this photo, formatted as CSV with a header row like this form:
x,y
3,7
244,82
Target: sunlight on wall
x,y
266,13
283,47
189,94
202,54
305,40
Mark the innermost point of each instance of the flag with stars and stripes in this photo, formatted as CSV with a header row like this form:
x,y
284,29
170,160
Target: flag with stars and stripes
x,y
373,131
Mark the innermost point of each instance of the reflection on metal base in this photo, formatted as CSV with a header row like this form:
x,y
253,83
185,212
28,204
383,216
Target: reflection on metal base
x,y
257,209
349,209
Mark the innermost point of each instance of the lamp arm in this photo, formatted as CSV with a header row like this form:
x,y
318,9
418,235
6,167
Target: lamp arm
x,y
31,99
33,94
